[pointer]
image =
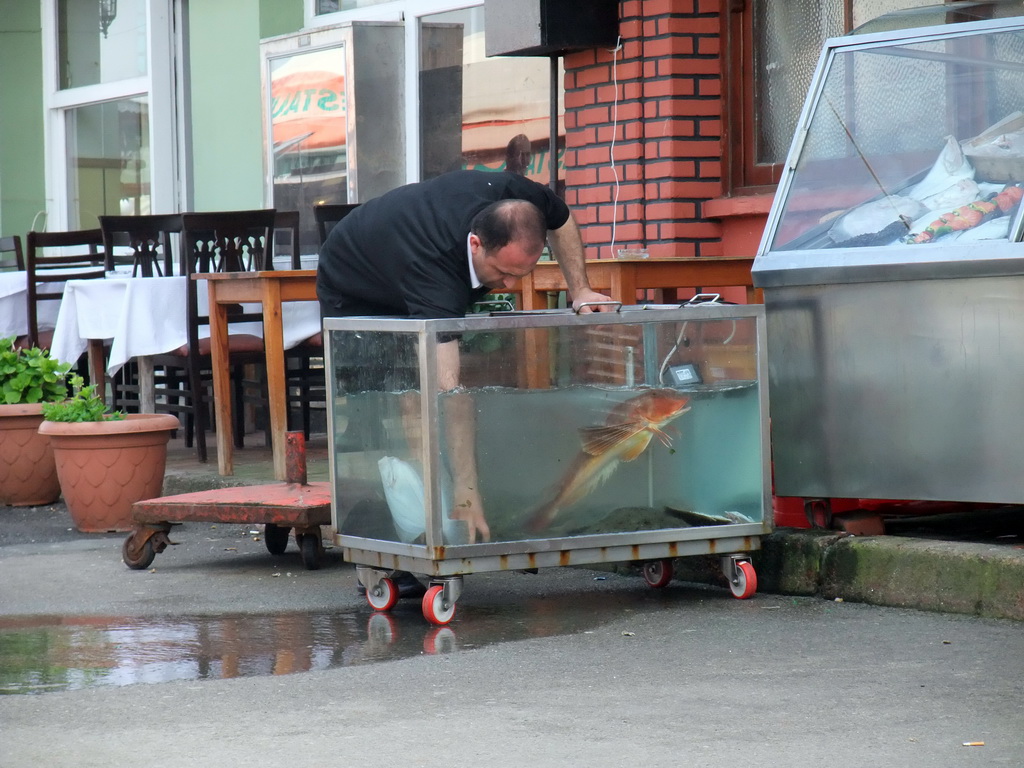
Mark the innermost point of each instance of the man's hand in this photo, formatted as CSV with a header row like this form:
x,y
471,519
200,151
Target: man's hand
x,y
468,506
593,297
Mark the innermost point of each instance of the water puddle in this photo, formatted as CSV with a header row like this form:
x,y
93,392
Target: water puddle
x,y
39,654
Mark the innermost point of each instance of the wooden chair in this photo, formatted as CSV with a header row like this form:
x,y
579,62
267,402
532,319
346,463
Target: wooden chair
x,y
147,244
51,259
12,258
144,242
327,215
224,241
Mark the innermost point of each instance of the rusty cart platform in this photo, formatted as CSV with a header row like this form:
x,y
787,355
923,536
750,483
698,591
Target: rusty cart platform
x,y
279,507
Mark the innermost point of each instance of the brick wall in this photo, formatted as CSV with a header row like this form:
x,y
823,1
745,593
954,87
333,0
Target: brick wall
x,y
662,141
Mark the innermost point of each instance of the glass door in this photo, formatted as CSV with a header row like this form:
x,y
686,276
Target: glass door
x,y
110,110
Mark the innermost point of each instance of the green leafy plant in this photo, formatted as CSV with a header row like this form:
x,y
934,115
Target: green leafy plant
x,y
83,405
30,375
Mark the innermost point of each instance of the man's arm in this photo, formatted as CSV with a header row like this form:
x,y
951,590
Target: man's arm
x,y
460,426
567,245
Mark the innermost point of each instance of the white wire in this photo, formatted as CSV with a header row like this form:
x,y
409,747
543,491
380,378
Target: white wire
x,y
615,128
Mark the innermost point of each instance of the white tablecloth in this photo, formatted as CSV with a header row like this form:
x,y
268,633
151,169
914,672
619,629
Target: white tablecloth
x,y
146,316
14,307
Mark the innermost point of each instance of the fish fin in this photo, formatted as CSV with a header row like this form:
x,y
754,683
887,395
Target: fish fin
x,y
599,440
637,448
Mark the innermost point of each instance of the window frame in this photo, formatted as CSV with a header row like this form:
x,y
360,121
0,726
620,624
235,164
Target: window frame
x,y
158,88
743,173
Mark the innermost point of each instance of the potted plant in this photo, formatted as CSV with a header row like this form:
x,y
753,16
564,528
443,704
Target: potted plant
x,y
28,378
105,461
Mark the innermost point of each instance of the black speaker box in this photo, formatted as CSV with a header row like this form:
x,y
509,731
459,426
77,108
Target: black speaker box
x,y
549,27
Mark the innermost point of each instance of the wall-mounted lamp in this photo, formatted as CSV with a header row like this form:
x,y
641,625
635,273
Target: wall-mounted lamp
x,y
108,11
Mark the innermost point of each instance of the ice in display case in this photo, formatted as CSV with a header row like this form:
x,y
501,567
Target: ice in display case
x,y
891,267
638,435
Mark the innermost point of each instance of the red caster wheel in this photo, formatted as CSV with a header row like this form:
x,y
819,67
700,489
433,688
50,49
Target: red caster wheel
x,y
383,596
658,573
436,609
744,582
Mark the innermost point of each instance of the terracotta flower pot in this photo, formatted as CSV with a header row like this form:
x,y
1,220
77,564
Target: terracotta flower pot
x,y
28,475
106,466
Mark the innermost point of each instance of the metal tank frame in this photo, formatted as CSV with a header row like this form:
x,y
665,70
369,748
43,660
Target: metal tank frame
x,y
445,565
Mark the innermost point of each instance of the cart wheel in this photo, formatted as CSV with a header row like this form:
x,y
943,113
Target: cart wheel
x,y
658,573
137,558
309,548
276,538
434,608
745,583
384,596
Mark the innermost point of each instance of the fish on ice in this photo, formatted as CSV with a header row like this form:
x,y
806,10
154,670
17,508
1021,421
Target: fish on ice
x,y
628,430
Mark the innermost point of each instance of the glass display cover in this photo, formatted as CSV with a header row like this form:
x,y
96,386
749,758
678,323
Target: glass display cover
x,y
909,143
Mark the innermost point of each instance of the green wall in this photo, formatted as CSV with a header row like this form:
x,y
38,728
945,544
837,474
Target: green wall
x,y
22,180
227,121
227,128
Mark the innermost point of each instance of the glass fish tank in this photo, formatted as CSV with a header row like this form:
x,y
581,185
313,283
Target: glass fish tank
x,y
892,268
515,440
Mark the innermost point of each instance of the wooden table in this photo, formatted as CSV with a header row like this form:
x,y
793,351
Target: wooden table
x,y
622,278
269,288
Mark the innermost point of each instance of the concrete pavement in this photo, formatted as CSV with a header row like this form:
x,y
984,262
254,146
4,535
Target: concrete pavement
x,y
564,668
195,661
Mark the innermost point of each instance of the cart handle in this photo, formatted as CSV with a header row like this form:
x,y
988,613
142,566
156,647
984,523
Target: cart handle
x,y
703,298
617,304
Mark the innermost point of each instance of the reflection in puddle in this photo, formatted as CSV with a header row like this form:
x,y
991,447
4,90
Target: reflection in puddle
x,y
39,654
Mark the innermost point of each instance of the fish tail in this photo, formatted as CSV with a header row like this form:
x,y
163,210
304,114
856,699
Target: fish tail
x,y
541,518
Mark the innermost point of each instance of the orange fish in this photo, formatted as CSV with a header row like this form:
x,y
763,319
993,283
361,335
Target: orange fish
x,y
628,431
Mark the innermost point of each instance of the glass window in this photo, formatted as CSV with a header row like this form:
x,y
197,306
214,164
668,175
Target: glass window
x,y
772,75
789,37
333,6
101,41
108,161
479,112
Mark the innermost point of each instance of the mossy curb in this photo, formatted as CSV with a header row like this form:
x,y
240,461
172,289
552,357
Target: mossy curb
x,y
954,577
947,576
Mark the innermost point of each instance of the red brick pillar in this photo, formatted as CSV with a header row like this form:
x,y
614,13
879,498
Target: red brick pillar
x,y
663,138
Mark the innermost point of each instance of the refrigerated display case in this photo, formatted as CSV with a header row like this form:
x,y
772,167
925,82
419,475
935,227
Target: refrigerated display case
x,y
892,268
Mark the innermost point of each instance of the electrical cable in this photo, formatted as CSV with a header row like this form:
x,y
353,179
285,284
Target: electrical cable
x,y
615,128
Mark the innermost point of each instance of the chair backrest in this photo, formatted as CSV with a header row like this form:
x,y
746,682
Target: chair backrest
x,y
224,241
144,242
51,258
287,223
227,241
329,214
11,255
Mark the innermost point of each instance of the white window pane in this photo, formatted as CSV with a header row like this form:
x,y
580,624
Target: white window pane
x,y
100,41
332,6
108,161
